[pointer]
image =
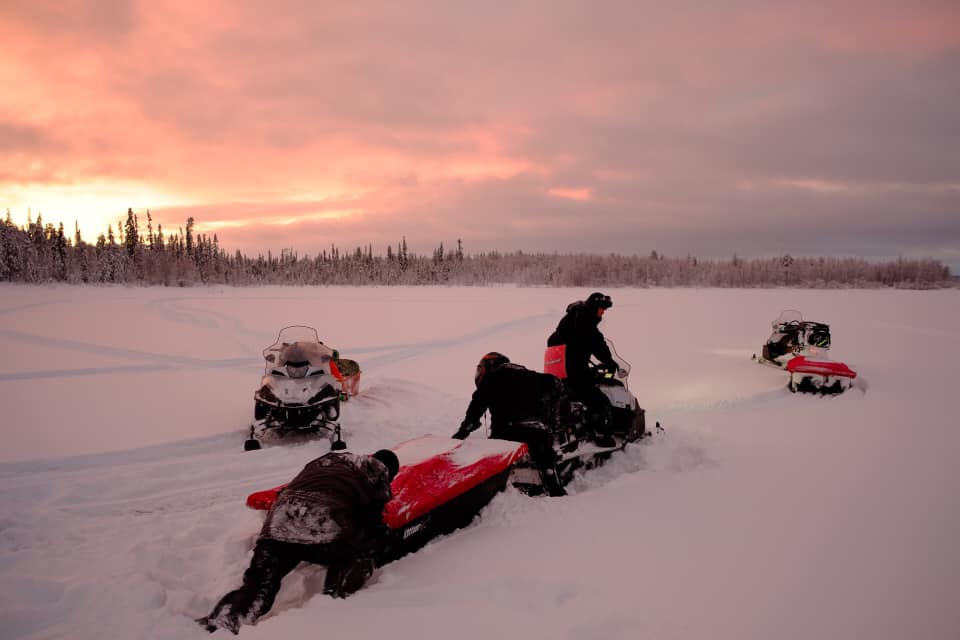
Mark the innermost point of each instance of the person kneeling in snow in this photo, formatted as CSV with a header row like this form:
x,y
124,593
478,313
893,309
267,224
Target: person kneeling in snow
x,y
525,406
331,513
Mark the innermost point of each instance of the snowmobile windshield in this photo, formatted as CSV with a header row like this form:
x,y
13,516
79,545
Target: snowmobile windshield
x,y
787,316
298,333
299,346
623,364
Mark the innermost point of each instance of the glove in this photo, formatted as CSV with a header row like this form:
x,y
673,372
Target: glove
x,y
466,428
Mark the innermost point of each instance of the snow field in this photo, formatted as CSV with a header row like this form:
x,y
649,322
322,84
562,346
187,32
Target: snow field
x,y
757,514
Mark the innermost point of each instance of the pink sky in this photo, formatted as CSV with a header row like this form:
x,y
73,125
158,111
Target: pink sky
x,y
687,127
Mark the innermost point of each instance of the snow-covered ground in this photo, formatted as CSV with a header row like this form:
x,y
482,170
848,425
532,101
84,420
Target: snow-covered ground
x,y
758,514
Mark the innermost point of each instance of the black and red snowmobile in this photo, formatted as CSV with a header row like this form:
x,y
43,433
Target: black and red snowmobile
x,y
572,438
442,484
801,348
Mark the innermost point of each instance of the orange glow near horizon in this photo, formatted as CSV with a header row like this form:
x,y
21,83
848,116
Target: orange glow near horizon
x,y
580,195
92,206
345,123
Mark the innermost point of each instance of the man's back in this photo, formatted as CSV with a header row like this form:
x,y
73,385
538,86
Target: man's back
x,y
321,503
513,392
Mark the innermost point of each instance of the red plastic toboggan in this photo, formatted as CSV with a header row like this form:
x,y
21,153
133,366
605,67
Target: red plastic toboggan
x,y
455,467
555,361
801,364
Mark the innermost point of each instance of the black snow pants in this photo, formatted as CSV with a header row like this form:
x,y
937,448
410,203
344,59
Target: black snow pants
x,y
539,440
348,568
599,418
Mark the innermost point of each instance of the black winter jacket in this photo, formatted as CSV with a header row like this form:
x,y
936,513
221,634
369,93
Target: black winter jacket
x,y
337,497
513,393
579,330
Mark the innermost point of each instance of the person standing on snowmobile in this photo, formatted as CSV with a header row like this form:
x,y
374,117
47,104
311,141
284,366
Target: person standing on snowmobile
x,y
331,513
579,331
525,406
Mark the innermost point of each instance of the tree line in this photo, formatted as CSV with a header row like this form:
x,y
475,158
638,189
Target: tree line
x,y
38,253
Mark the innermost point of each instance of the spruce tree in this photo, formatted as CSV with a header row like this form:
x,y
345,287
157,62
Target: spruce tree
x,y
131,235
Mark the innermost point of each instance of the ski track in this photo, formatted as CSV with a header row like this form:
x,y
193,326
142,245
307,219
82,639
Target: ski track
x,y
402,352
153,361
159,362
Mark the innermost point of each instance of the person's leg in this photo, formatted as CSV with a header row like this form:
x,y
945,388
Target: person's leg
x,y
261,581
598,419
349,566
346,576
545,457
539,441
600,405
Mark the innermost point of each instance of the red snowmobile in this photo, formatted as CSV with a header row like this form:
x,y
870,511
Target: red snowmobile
x,y
801,348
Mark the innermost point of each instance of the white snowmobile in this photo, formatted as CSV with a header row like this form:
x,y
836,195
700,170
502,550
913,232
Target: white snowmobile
x,y
801,348
558,451
299,392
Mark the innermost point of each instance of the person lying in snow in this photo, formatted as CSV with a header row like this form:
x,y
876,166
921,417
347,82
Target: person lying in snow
x,y
331,513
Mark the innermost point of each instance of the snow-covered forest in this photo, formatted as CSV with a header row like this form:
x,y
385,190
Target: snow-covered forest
x,y
138,254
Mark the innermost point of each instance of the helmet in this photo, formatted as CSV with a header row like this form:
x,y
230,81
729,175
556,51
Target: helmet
x,y
598,300
489,362
389,460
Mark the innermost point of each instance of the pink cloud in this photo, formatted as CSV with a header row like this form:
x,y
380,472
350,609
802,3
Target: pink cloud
x,y
580,195
444,119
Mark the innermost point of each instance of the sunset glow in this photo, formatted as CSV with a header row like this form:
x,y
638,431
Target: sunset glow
x,y
296,125
92,205
581,195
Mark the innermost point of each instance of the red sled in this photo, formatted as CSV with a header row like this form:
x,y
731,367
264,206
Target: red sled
x,y
442,484
802,364
820,376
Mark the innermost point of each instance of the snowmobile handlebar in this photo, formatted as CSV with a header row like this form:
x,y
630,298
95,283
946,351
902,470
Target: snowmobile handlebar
x,y
601,371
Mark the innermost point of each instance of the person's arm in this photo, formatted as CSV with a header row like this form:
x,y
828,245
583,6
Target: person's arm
x,y
602,352
594,340
370,517
476,409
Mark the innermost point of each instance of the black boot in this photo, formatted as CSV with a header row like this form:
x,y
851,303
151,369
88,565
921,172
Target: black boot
x,y
604,440
344,579
261,581
551,484
220,619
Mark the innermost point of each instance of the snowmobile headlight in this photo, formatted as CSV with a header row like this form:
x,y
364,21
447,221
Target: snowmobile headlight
x,y
820,339
332,411
297,369
327,392
267,395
